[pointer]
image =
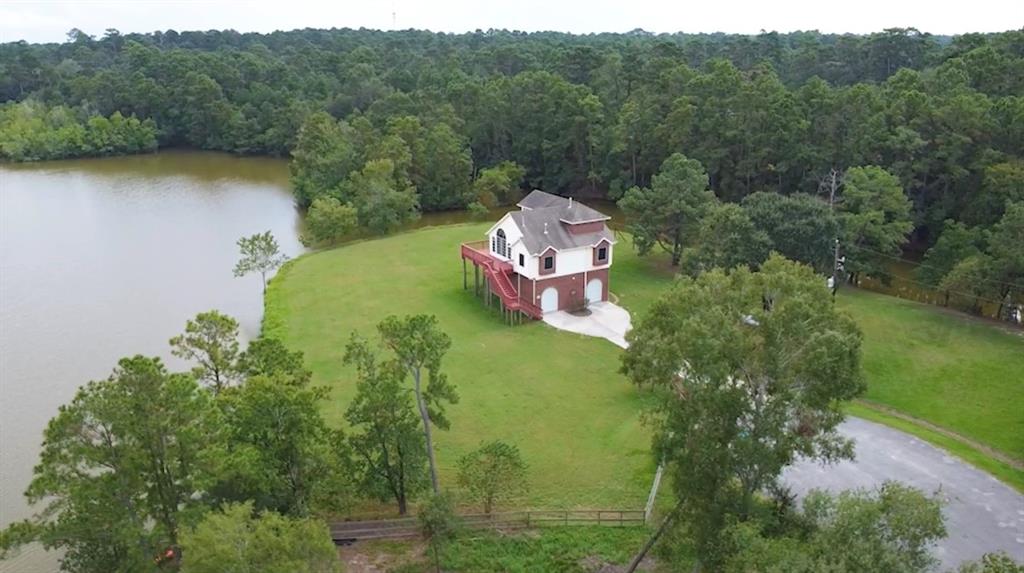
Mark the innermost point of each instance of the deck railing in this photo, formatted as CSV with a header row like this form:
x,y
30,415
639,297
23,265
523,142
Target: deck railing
x,y
480,253
349,531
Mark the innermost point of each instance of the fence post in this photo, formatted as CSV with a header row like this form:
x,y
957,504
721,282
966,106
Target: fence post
x,y
654,492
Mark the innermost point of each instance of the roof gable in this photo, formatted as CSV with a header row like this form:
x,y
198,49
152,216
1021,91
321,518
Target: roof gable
x,y
538,199
571,211
502,220
542,230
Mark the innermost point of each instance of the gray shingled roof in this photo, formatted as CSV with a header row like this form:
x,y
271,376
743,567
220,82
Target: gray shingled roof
x,y
534,222
572,211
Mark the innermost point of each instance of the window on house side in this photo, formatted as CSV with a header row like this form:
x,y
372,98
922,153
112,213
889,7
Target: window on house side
x,y
549,263
500,245
602,254
522,259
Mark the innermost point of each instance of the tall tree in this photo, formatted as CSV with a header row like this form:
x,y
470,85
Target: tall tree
x,y
956,243
325,153
727,238
419,346
124,469
383,198
750,371
1002,183
441,164
969,278
386,437
668,213
874,217
269,357
499,185
281,454
260,254
799,226
1005,247
211,340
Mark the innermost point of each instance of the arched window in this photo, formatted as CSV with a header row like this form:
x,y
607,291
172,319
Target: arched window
x,y
499,246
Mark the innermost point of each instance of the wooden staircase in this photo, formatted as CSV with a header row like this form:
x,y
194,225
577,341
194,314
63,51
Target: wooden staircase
x,y
499,276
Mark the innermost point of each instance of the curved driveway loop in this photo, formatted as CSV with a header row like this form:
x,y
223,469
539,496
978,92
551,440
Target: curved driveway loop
x,y
982,514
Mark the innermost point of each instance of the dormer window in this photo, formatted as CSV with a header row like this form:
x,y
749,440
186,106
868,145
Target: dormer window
x,y
602,253
549,262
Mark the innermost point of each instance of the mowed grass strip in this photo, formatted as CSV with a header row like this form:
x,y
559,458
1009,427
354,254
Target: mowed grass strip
x,y
559,397
959,373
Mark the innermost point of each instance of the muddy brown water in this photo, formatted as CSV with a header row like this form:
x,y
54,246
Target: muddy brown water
x,y
103,258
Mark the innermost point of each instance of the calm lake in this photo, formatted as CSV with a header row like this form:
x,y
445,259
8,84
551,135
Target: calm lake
x,y
104,258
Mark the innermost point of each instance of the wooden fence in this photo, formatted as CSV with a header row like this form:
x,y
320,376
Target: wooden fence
x,y
350,531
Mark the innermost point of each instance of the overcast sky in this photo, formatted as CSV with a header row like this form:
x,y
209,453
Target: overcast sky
x,y
42,21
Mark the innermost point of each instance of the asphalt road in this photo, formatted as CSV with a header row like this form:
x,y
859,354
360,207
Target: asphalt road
x,y
982,514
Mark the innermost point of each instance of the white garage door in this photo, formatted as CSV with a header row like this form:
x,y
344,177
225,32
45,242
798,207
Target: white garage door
x,y
549,300
595,290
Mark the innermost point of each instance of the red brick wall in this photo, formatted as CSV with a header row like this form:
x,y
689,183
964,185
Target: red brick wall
x,y
581,228
571,288
550,252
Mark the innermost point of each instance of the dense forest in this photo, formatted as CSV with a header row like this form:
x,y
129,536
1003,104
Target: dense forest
x,y
384,125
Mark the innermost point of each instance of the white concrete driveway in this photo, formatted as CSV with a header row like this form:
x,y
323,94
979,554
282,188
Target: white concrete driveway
x,y
606,320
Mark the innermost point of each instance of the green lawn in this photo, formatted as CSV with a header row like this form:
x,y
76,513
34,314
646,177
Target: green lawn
x,y
958,373
558,396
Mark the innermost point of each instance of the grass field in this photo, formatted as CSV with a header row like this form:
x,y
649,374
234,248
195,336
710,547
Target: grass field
x,y
559,396
949,369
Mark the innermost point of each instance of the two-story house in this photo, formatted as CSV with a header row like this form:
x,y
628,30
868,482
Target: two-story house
x,y
552,254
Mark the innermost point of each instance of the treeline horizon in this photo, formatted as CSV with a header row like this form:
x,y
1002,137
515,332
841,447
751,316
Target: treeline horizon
x,y
585,115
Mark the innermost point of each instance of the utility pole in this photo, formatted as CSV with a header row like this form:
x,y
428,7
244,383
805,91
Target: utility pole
x,y
832,181
835,269
832,188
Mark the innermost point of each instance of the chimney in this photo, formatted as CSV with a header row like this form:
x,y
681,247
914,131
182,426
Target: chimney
x,y
545,227
570,202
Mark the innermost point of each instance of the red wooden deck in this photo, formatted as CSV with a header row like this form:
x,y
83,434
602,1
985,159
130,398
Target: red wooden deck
x,y
498,273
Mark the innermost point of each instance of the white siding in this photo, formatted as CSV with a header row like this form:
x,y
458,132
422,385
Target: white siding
x,y
571,262
574,261
567,262
529,268
512,235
